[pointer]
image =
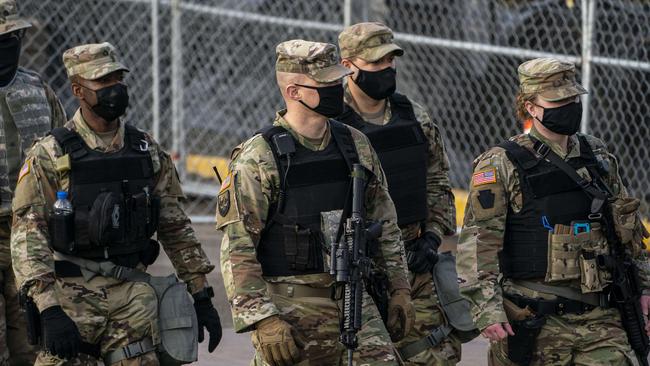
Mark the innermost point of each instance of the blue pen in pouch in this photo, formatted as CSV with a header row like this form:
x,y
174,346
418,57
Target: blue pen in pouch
x,y
546,224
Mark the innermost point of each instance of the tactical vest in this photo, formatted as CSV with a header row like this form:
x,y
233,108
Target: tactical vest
x,y
292,242
115,210
402,149
548,193
24,116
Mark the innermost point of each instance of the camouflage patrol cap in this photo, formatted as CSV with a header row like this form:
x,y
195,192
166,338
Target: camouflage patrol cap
x,y
9,19
369,41
551,79
92,61
317,60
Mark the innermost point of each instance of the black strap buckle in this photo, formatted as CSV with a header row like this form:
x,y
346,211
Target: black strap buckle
x,y
541,149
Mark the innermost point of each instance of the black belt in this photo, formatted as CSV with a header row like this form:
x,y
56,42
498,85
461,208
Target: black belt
x,y
559,306
66,269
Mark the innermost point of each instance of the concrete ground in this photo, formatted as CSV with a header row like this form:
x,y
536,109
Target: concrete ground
x,y
236,349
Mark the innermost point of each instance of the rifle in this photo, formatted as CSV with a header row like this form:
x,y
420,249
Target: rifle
x,y
625,290
349,261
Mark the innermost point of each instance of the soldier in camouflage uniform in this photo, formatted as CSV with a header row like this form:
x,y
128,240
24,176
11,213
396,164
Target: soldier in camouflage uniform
x,y
527,249
28,109
416,167
86,315
275,208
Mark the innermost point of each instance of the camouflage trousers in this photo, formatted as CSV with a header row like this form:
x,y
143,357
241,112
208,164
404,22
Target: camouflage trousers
x,y
593,338
316,324
107,312
14,349
428,316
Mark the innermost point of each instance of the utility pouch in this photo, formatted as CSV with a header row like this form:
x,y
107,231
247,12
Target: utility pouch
x,y
627,224
105,219
526,327
589,273
153,215
138,215
177,322
149,254
522,345
176,334
61,227
563,254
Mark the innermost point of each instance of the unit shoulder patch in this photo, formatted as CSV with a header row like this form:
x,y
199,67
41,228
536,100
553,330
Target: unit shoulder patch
x,y
486,198
227,208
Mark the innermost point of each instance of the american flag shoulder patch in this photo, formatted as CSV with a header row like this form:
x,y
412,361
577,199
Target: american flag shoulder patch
x,y
484,177
27,167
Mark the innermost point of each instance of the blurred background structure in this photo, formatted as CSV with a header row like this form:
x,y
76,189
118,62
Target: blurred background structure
x,y
202,75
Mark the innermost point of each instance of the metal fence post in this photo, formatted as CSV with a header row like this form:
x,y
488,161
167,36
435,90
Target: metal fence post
x,y
155,70
588,8
178,152
355,11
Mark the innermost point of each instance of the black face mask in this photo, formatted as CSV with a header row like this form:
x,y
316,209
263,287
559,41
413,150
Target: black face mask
x,y
9,55
377,85
331,100
112,101
564,120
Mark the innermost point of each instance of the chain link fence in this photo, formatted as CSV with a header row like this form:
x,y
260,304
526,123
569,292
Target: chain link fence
x,y
203,80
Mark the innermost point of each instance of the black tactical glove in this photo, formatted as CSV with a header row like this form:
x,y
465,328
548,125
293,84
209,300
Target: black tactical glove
x,y
208,317
423,255
60,334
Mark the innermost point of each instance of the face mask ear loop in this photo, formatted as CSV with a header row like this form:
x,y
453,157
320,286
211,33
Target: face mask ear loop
x,y
358,72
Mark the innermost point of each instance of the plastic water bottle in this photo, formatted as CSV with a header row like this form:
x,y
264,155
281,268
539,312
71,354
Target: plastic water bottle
x,y
62,206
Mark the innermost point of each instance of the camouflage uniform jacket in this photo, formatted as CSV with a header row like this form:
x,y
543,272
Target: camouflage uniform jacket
x,y
43,175
483,230
254,182
441,216
57,119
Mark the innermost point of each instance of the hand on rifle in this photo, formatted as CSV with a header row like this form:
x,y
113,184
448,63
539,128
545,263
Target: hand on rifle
x,y
273,340
401,314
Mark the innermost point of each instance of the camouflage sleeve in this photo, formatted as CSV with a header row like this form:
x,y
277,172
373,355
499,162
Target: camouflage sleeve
x,y
175,231
380,208
633,222
441,218
58,113
32,259
481,238
243,204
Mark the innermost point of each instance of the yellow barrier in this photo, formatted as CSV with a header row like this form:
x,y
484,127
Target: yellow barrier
x,y
201,165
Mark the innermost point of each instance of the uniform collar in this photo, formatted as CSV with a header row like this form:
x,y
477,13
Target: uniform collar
x,y
349,100
280,121
573,145
92,139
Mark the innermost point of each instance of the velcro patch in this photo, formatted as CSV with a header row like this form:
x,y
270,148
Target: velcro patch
x,y
226,183
486,198
485,177
227,208
26,169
